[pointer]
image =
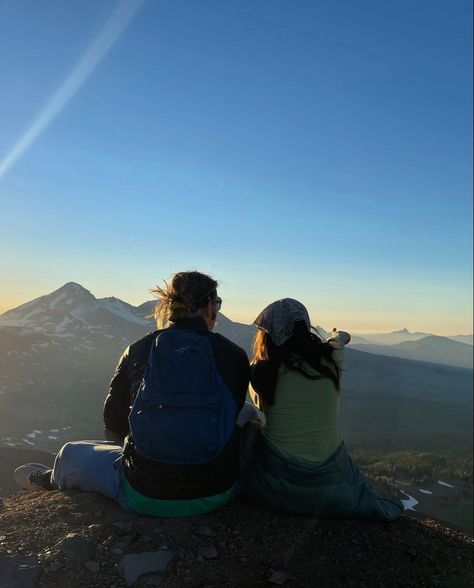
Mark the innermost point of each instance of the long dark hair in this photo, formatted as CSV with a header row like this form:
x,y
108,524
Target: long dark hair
x,y
303,352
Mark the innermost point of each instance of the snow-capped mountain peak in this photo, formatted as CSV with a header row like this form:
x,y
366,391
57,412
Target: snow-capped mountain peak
x,y
72,309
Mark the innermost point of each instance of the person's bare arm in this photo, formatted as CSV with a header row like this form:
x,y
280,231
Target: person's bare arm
x,y
338,339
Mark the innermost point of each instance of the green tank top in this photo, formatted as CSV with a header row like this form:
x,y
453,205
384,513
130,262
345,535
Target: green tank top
x,y
304,420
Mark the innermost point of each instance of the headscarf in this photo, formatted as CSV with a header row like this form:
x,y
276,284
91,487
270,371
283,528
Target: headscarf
x,y
278,319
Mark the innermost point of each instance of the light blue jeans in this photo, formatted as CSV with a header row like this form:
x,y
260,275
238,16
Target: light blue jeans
x,y
91,466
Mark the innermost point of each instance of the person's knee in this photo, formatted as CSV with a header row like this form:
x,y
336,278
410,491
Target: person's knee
x,y
66,448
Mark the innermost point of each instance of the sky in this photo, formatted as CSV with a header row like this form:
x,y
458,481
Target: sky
x,y
316,150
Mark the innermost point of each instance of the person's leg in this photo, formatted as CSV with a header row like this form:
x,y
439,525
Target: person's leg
x,y
366,502
91,466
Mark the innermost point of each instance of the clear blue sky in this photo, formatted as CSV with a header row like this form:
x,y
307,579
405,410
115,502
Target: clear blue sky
x,y
319,150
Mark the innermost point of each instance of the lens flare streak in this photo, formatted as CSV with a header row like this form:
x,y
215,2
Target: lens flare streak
x,y
117,22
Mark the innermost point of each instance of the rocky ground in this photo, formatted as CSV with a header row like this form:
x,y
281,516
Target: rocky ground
x,y
50,539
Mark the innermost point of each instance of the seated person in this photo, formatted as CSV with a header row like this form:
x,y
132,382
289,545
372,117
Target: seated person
x,y
173,403
299,463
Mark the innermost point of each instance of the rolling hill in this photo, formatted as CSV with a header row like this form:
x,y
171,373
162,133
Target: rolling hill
x,y
431,348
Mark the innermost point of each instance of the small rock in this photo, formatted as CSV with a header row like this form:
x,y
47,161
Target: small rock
x,y
134,565
75,547
95,527
278,577
208,552
147,539
98,514
92,566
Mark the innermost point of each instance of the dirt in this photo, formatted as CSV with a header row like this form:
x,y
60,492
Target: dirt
x,y
246,546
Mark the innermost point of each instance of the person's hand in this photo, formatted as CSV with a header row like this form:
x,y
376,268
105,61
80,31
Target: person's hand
x,y
345,337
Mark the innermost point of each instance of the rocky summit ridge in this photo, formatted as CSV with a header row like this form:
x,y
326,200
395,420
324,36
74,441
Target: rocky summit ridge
x,y
74,539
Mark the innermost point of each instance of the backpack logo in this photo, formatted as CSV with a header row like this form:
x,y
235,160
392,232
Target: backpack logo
x,y
182,349
183,412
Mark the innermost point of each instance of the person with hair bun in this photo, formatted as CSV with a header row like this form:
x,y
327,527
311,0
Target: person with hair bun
x,y
170,415
298,463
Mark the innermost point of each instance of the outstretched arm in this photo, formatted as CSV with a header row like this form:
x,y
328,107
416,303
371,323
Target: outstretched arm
x,y
337,339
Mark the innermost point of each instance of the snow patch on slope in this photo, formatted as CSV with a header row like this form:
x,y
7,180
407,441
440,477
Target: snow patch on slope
x,y
120,309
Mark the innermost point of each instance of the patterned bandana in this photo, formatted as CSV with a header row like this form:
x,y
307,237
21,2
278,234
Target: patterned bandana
x,y
278,319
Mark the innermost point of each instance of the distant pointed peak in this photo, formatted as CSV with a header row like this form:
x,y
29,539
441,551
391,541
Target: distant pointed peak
x,y
73,289
73,286
405,331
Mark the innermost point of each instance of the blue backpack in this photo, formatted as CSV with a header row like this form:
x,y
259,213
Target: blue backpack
x,y
183,412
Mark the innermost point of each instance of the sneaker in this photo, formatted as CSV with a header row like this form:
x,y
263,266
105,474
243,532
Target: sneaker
x,y
32,475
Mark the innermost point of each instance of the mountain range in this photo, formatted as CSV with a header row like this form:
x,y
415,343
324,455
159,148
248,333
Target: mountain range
x,y
432,348
404,335
72,310
58,353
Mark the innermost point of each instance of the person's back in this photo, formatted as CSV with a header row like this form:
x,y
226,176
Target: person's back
x,y
303,420
299,464
167,481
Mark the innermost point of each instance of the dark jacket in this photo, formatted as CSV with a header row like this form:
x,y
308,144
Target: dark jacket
x,y
171,481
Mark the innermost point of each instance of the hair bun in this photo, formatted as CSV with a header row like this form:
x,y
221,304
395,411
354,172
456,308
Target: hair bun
x,y
177,305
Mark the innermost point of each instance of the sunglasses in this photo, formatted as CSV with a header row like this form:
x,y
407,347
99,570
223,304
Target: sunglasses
x,y
218,302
